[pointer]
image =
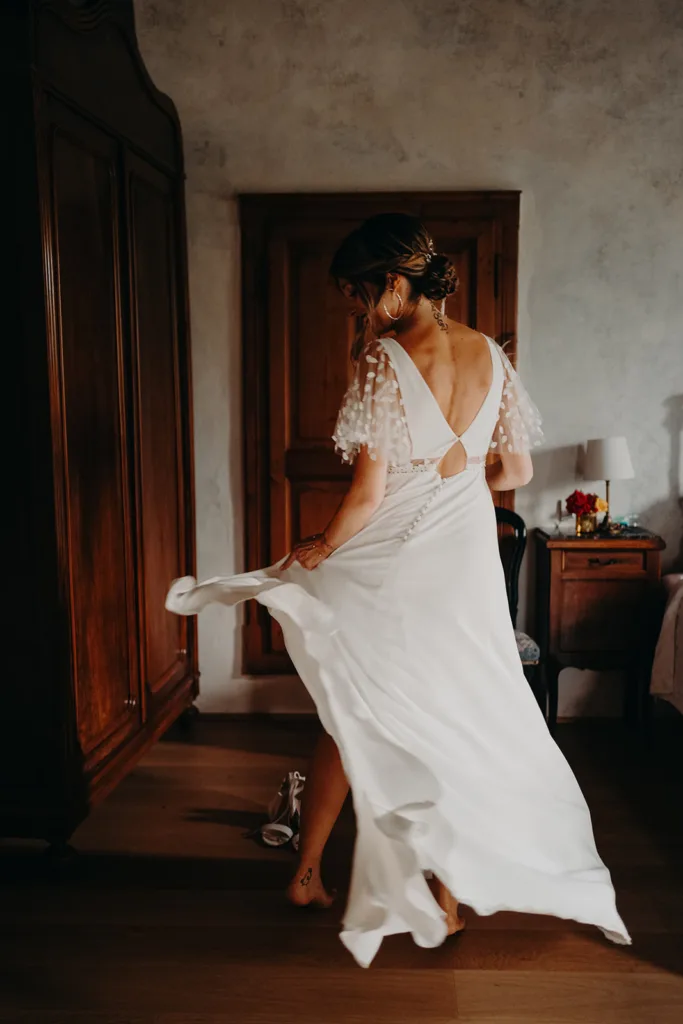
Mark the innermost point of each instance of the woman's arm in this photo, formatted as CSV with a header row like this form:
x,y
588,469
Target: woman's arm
x,y
509,472
516,433
362,499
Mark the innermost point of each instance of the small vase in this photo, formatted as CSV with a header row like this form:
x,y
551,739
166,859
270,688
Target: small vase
x,y
586,523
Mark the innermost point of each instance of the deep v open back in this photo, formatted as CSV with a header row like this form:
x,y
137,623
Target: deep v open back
x,y
431,435
404,640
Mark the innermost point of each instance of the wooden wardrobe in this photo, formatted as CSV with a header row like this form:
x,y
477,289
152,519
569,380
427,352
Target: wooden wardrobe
x,y
97,362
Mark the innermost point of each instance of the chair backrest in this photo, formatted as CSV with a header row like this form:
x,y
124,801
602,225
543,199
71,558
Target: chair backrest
x,y
512,547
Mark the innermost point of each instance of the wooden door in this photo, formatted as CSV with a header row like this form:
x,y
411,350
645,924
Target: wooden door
x,y
162,456
297,338
92,471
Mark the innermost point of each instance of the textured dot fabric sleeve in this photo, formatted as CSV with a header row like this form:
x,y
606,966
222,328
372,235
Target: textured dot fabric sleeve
x,y
371,414
518,429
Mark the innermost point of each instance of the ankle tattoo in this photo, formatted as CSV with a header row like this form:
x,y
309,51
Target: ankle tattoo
x,y
307,877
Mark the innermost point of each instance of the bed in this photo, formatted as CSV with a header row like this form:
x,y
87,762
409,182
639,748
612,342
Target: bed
x,y
666,681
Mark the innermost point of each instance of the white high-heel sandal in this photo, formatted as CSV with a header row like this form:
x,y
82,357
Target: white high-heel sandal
x,y
284,813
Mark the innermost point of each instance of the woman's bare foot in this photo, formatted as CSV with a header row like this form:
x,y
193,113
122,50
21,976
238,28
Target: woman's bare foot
x,y
449,905
455,922
307,890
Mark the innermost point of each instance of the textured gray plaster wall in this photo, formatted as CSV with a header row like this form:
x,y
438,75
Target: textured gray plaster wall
x,y
578,103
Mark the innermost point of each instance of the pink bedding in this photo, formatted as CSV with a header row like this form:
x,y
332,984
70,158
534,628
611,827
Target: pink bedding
x,y
667,668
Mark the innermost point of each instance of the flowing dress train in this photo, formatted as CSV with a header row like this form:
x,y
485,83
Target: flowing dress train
x,y
404,640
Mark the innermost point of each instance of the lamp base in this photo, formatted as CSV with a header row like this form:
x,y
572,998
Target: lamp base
x,y
607,528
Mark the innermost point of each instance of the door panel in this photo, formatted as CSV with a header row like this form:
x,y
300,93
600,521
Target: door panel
x,y
316,366
160,479
309,355
314,500
298,338
85,258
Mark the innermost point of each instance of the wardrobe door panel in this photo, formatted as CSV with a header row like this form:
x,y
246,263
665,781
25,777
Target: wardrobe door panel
x,y
161,482
93,471
94,307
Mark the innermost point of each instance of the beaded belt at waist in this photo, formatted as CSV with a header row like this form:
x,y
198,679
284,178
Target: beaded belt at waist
x,y
423,465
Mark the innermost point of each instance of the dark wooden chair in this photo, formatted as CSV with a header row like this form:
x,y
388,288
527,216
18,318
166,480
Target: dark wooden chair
x,y
512,548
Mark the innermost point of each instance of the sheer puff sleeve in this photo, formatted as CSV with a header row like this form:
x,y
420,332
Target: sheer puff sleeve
x,y
518,429
372,413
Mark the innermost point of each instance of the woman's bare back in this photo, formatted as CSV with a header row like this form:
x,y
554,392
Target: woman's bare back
x,y
458,371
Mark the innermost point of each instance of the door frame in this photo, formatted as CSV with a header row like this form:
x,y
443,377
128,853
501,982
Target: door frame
x,y
259,215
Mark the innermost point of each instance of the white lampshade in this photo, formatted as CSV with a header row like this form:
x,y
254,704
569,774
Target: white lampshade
x,y
608,458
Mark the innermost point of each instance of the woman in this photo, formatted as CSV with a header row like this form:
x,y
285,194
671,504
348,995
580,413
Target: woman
x,y
396,618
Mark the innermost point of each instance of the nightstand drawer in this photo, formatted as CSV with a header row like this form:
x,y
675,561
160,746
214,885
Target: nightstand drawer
x,y
599,615
604,563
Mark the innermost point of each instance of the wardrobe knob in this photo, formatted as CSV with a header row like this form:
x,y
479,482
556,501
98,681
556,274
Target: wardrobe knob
x,y
183,651
131,702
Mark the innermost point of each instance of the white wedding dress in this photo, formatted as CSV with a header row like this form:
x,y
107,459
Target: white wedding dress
x,y
404,640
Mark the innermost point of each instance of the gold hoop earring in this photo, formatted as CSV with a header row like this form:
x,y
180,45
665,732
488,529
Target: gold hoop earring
x,y
400,308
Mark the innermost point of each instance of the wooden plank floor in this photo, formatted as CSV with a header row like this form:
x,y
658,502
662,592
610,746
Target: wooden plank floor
x,y
170,915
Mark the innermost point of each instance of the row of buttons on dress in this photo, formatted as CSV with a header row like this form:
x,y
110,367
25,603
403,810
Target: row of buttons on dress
x,y
418,517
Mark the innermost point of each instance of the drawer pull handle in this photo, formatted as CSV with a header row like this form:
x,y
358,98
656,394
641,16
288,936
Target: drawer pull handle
x,y
603,561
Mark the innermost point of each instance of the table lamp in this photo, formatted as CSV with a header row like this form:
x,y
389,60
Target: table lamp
x,y
607,458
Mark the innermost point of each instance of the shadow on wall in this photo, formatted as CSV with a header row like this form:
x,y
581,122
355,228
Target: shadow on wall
x,y
553,467
656,516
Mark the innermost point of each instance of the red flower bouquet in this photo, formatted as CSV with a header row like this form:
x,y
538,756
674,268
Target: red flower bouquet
x,y
580,504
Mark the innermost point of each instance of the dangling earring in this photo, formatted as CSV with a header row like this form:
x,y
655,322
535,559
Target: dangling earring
x,y
438,315
400,308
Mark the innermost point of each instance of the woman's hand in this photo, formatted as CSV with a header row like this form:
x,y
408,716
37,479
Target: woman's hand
x,y
360,502
309,552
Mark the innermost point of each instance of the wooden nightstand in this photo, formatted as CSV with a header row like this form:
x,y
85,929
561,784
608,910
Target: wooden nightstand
x,y
596,598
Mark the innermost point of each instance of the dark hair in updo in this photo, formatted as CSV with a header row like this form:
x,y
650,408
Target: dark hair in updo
x,y
394,243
